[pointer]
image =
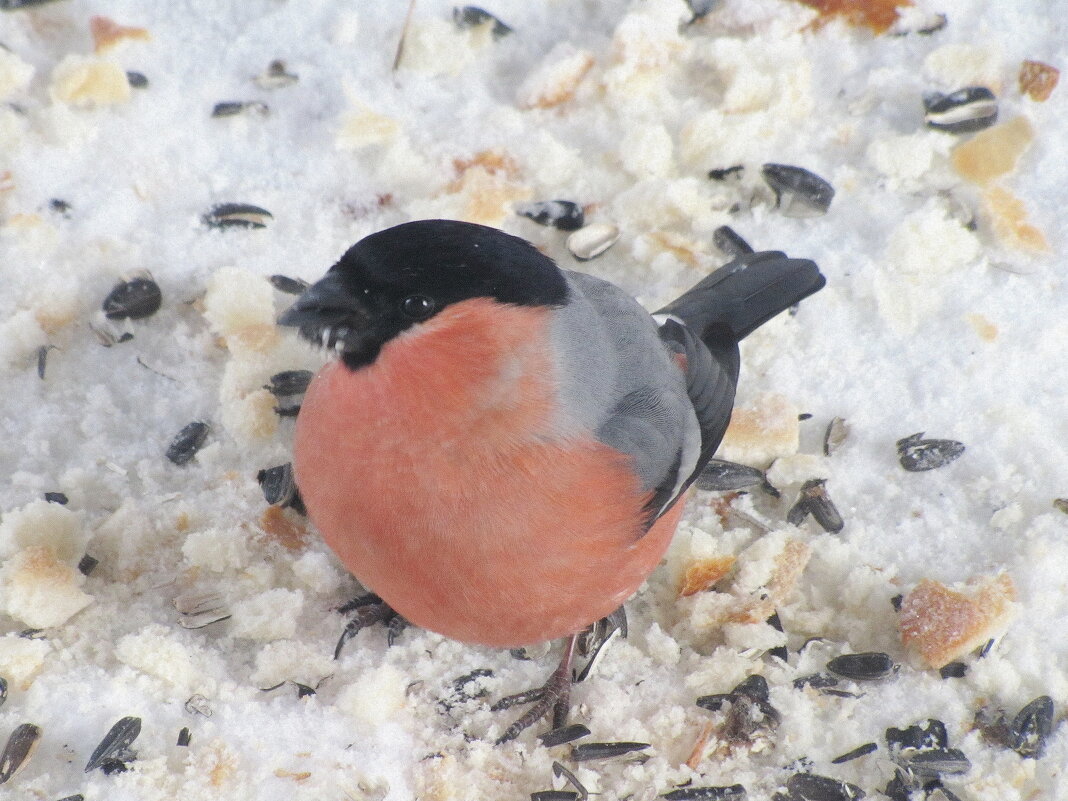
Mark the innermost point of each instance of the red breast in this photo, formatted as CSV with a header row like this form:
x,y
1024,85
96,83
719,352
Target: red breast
x,y
439,477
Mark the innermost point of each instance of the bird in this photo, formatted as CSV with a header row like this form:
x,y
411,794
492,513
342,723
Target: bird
x,y
500,447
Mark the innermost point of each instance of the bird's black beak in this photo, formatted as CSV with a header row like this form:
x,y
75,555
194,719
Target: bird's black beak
x,y
330,314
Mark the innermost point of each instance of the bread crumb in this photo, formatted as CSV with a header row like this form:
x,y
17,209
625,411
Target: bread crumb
x,y
1038,80
216,550
107,33
701,574
941,624
271,615
364,127
45,524
283,528
1009,217
986,330
21,659
556,79
237,300
39,589
15,74
957,65
994,152
289,660
155,650
85,82
376,696
766,430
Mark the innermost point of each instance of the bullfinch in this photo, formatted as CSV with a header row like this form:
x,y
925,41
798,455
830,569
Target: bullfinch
x,y
500,447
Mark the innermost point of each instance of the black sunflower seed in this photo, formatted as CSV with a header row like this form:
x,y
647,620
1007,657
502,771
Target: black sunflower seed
x,y
727,173
135,299
779,651
588,751
291,286
56,497
811,787
817,681
87,564
755,687
936,761
931,734
187,442
554,795
798,192
565,734
714,702
868,666
184,737
232,108
236,215
814,500
953,670
559,770
964,111
733,792
11,5
1031,727
565,215
277,484
289,382
472,17
3,690
115,743
856,753
59,206
896,602
18,750
723,476
137,80
917,454
730,242
276,76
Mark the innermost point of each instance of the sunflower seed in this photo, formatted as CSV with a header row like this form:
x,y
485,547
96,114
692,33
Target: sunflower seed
x,y
813,499
187,442
985,648
755,687
554,795
232,108
291,286
600,649
3,690
197,704
953,670
289,382
1031,727
733,792
856,753
184,737
236,215
936,761
588,751
727,173
565,734
730,242
593,240
56,497
137,80
196,603
964,111
559,770
277,484
60,207
867,666
714,702
474,17
87,564
134,299
929,735
11,5
798,192
896,602
465,688
18,750
811,787
115,743
837,432
276,76
1061,505
917,454
924,26
720,475
562,214
42,359
817,681
75,797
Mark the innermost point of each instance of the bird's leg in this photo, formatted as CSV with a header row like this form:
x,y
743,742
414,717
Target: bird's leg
x,y
554,695
366,611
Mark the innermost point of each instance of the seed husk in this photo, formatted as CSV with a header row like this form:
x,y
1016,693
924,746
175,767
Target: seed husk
x,y
56,497
559,770
289,382
589,751
115,743
591,241
798,192
1061,505
564,734
732,792
917,454
3,690
137,80
134,299
554,795
867,666
473,17
733,173
197,704
565,215
87,564
814,500
18,750
931,734
231,108
856,753
1031,727
730,242
236,215
184,737
279,488
953,670
963,111
12,5
754,686
837,432
290,286
812,787
276,76
187,442
817,681
936,761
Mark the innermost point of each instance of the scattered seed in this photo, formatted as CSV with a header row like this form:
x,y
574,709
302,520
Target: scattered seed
x,y
730,242
56,497
779,651
87,564
554,795
837,432
303,690
75,797
813,499
467,687
474,17
198,610
276,76
953,670
747,716
236,215
817,681
720,475
593,240
868,666
917,454
11,5
289,382
727,173
115,743
137,80
184,737
588,751
964,111
32,634
232,108
290,286
811,787
600,649
559,770
58,206
1031,728
985,648
896,602
187,442
856,753
134,299
925,27
714,702
3,690
755,687
287,411
112,766
733,792
197,704
277,484
42,359
1061,504
565,215
936,761
18,750
403,36
931,734
565,734
798,192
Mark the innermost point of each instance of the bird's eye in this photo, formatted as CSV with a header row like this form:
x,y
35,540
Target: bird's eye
x,y
418,307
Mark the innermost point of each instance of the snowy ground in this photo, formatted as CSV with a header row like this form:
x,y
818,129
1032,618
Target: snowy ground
x,y
927,324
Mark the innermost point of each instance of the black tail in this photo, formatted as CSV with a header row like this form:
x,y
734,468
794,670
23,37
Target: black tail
x,y
729,304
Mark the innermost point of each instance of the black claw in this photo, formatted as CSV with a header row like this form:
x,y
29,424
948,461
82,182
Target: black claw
x,y
367,610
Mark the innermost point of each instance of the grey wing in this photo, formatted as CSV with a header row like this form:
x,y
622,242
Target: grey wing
x,y
623,380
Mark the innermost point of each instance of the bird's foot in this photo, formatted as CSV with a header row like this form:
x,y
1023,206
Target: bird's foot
x,y
367,610
554,695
